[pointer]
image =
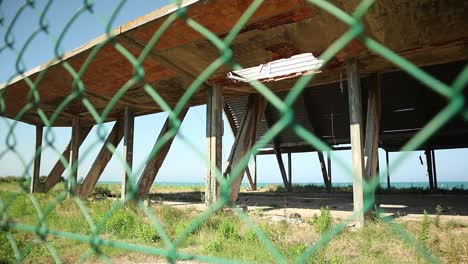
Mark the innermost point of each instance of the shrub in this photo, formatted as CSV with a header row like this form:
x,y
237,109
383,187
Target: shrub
x,y
324,221
227,229
424,231
101,192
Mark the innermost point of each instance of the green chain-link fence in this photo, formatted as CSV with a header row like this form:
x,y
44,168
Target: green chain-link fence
x,y
40,230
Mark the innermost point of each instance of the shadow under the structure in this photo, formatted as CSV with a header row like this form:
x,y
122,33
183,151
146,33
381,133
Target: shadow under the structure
x,y
396,203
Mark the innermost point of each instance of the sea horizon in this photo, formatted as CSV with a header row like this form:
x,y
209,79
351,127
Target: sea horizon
x,y
440,185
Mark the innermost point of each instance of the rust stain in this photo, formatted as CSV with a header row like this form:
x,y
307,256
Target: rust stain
x,y
283,50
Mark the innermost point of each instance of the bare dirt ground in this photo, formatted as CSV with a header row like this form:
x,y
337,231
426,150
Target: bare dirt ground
x,y
406,206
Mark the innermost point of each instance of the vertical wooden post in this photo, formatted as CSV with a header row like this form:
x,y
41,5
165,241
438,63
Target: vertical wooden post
x,y
355,118
74,150
388,169
324,171
329,167
129,123
37,159
371,149
255,172
429,168
214,137
434,170
290,168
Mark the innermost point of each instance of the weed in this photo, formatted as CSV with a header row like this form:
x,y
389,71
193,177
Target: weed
x,y
227,230
424,230
298,249
324,221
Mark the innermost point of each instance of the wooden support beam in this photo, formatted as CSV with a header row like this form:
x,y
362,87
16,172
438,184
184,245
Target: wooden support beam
x,y
371,148
232,124
57,171
324,171
388,169
434,170
245,139
129,123
355,118
297,149
329,169
277,150
37,159
429,168
279,158
154,164
319,153
74,154
290,168
214,140
105,154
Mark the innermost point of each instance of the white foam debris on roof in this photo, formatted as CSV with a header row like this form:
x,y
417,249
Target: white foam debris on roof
x,y
294,66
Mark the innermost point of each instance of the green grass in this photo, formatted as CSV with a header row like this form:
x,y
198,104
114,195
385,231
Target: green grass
x,y
223,234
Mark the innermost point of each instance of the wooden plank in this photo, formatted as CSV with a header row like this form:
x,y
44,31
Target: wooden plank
x,y
154,164
230,117
277,150
434,170
372,129
127,158
74,154
37,159
214,140
57,171
245,139
387,160
355,118
104,156
324,171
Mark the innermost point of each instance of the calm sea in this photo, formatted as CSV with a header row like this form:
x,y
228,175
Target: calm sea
x,y
440,185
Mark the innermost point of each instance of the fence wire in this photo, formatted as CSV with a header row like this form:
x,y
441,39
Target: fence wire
x,y
95,238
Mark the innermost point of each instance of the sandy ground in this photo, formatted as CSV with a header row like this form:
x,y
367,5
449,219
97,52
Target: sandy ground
x,y
407,206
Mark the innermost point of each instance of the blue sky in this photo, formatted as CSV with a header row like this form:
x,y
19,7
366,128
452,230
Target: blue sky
x,y
182,164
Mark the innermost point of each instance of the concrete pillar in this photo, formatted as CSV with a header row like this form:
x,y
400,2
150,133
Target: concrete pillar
x,y
356,124
74,154
129,123
214,139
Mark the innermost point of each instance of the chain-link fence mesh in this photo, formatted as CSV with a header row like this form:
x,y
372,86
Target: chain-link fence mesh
x,y
94,238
